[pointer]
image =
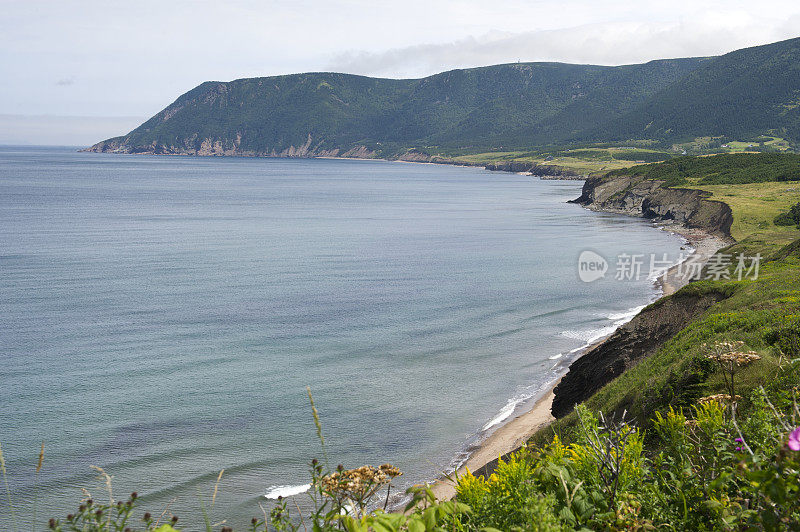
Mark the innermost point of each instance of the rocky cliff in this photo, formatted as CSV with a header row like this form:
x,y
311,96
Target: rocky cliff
x,y
642,336
648,198
632,342
542,170
210,147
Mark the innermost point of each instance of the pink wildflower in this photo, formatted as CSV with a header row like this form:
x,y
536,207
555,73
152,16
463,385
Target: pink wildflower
x,y
794,440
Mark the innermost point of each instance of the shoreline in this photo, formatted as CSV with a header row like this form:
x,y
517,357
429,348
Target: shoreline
x,y
518,429
536,412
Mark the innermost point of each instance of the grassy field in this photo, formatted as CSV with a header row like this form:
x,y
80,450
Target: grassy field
x,y
716,144
582,161
772,142
755,206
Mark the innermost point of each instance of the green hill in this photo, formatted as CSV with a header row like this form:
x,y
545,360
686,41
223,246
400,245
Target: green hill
x,y
739,95
515,106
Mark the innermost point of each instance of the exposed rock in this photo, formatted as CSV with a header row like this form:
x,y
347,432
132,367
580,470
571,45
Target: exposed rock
x,y
634,341
414,156
636,196
214,147
543,170
642,336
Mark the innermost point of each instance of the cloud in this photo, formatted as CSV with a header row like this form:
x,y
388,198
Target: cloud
x,y
612,43
65,82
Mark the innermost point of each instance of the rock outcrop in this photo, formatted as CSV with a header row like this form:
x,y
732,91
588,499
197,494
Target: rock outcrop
x,y
541,170
648,198
209,147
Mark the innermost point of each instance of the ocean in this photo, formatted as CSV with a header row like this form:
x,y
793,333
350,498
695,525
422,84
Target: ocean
x,y
161,317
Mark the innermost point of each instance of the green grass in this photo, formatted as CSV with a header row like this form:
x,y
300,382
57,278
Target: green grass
x,y
677,374
752,309
584,161
755,207
776,143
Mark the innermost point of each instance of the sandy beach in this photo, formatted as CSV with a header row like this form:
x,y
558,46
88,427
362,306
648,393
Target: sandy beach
x,y
704,245
518,430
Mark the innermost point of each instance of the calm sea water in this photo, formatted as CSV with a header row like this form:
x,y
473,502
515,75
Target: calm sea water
x,y
161,317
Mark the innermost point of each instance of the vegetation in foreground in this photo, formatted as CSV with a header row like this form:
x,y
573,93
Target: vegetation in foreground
x,y
702,435
712,466
717,465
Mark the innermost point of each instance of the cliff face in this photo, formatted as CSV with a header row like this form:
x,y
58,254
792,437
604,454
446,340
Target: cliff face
x,y
543,170
632,342
642,336
637,196
217,147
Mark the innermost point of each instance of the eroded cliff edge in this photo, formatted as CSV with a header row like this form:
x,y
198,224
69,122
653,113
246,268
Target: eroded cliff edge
x,y
642,336
631,343
650,198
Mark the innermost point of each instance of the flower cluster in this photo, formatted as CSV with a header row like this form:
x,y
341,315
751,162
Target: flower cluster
x,y
718,398
357,484
729,353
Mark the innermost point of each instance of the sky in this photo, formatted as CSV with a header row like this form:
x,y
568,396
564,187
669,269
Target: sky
x,y
76,72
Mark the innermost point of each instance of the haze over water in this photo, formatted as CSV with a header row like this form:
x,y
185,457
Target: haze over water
x,y
161,317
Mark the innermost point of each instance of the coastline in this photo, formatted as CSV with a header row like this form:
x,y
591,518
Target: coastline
x,y
535,413
511,435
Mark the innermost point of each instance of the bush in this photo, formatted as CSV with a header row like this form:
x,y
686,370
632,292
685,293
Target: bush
x,y
789,218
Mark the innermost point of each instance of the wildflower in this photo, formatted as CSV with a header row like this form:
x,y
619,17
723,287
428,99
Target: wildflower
x,y
741,442
357,484
718,398
794,440
728,353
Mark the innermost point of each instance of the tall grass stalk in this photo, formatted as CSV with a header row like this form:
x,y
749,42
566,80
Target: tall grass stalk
x,y
8,490
106,478
36,484
206,517
216,488
319,426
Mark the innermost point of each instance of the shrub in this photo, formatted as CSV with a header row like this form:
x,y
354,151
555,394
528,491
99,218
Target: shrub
x,y
792,217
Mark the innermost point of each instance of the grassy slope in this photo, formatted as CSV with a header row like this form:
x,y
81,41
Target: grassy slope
x,y
755,206
678,373
583,161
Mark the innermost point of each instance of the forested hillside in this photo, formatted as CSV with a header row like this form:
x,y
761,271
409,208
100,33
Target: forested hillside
x,y
523,105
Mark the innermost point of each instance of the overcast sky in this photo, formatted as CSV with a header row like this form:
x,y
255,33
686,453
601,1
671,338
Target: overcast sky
x,y
104,66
